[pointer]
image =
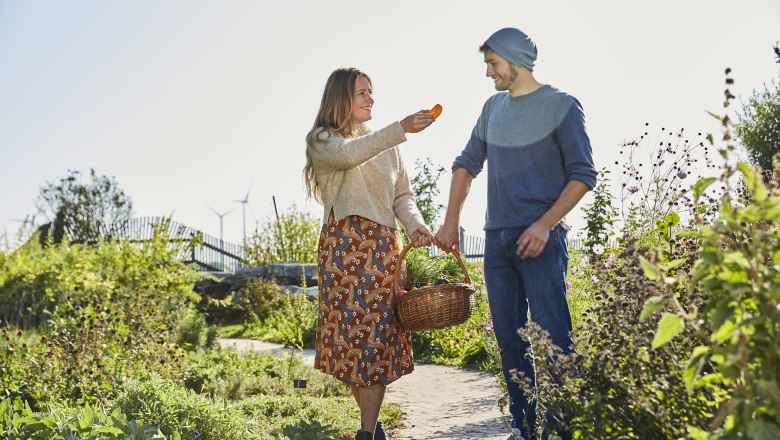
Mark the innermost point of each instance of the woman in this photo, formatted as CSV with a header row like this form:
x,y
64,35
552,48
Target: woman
x,y
358,176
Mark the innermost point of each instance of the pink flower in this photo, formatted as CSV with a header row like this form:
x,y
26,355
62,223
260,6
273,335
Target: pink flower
x,y
632,189
568,284
478,270
594,278
610,261
490,326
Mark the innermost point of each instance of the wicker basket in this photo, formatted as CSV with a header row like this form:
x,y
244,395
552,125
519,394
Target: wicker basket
x,y
433,307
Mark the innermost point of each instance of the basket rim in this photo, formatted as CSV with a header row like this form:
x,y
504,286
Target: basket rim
x,y
397,277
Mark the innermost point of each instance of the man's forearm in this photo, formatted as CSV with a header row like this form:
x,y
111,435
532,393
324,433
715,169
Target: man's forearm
x,y
571,195
459,190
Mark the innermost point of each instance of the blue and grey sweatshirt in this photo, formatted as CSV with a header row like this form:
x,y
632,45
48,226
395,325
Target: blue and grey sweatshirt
x,y
534,144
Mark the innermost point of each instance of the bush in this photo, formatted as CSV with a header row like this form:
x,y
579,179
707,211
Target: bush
x,y
289,238
193,332
35,279
341,413
226,374
182,413
19,421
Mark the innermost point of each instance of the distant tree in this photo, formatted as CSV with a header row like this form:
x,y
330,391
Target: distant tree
x,y
758,127
83,211
426,187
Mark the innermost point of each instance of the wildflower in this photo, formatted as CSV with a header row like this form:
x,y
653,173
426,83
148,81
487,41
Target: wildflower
x,y
568,284
478,270
632,189
682,174
585,259
490,326
610,261
594,278
574,269
598,249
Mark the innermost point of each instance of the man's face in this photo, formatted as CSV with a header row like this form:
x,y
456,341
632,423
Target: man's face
x,y
500,70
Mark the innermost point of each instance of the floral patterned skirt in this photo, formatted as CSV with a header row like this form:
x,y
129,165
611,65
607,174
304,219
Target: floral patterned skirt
x,y
359,339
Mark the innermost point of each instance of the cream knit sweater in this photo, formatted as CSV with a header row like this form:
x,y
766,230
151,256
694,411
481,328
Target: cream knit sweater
x,y
364,176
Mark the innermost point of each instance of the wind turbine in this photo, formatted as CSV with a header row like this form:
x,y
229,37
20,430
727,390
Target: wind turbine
x,y
221,240
244,203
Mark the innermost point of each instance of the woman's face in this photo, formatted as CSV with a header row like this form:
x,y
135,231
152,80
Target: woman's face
x,y
362,100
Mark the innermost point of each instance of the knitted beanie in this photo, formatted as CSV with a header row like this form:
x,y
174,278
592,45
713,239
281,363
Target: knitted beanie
x,y
514,46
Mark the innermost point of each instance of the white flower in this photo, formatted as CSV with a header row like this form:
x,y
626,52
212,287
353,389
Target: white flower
x,y
598,249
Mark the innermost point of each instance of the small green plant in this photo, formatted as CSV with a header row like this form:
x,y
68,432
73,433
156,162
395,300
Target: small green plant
x,y
425,185
290,238
193,332
312,429
19,421
181,413
600,215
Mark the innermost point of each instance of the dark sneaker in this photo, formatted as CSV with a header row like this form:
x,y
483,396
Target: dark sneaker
x,y
364,435
379,433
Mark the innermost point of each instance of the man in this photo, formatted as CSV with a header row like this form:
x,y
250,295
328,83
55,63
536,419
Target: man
x,y
533,136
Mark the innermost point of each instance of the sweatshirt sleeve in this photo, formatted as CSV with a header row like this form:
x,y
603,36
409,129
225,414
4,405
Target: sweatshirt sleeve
x,y
331,152
473,156
575,146
405,205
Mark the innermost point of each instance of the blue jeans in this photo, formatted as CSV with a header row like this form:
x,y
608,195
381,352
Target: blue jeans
x,y
517,287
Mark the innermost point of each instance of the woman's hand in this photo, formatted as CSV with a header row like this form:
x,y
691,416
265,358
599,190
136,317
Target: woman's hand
x,y
417,122
421,237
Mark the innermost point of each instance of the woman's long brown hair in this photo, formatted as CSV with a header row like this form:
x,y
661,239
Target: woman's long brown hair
x,y
334,116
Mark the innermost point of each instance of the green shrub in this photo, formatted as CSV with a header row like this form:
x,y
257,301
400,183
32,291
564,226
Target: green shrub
x,y
35,279
290,238
618,384
341,413
226,374
307,430
19,421
293,323
193,332
739,268
260,298
182,413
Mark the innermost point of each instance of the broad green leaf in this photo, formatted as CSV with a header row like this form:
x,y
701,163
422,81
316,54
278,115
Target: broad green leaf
x,y
694,364
668,327
763,430
86,419
753,182
651,272
700,186
698,433
720,314
672,219
723,332
651,305
675,263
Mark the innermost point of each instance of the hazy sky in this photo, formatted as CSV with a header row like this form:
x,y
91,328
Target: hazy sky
x,y
187,103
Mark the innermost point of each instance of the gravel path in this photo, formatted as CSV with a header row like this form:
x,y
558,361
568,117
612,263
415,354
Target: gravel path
x,y
439,402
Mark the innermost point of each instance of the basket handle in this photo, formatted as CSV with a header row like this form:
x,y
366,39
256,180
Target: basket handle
x,y
397,275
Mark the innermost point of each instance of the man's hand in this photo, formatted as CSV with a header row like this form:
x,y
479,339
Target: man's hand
x,y
447,237
421,237
531,243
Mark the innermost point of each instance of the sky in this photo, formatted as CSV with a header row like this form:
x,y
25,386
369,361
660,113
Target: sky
x,y
190,103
